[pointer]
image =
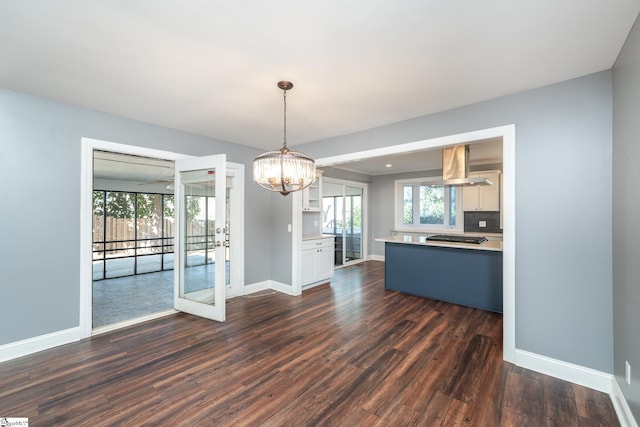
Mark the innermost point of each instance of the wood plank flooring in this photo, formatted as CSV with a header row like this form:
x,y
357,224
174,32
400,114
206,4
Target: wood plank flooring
x,y
347,354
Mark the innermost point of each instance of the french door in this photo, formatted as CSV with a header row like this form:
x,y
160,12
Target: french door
x,y
344,215
201,236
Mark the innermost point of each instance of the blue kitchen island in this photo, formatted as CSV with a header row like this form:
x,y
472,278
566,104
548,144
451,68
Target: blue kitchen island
x,y
461,273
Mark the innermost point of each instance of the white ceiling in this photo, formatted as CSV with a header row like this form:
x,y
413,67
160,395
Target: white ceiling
x,y
124,167
210,66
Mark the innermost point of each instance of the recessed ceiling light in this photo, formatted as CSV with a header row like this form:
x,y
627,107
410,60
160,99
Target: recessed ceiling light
x,y
388,165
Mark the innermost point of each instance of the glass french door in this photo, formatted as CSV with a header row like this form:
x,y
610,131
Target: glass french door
x,y
352,230
200,236
343,216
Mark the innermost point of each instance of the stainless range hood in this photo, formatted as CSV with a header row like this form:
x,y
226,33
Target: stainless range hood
x,y
455,168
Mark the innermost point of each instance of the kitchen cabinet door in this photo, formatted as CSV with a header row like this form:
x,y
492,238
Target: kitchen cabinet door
x,y
482,197
317,261
324,263
309,263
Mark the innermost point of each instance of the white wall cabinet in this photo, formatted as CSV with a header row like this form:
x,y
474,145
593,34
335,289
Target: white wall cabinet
x,y
317,261
482,197
312,195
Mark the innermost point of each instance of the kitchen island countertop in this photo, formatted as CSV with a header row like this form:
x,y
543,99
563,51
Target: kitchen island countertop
x,y
489,245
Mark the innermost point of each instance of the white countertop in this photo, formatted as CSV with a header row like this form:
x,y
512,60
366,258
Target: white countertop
x,y
317,236
489,245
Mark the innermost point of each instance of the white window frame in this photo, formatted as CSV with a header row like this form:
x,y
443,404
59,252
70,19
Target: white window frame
x,y
425,228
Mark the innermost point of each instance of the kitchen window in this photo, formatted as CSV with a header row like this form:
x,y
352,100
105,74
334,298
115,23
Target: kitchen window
x,y
424,207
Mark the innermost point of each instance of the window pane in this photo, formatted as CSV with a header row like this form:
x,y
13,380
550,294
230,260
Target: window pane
x,y
98,235
196,230
328,217
453,200
407,205
431,204
168,230
98,216
120,233
149,216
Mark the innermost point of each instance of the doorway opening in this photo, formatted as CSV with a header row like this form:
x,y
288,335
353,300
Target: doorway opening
x,y
127,233
132,237
507,135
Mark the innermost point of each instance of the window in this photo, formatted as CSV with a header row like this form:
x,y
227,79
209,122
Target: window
x,y
423,206
132,233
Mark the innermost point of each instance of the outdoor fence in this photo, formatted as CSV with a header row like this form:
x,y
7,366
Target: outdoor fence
x,y
120,236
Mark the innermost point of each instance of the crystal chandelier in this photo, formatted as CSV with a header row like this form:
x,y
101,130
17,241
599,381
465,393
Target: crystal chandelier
x,y
284,170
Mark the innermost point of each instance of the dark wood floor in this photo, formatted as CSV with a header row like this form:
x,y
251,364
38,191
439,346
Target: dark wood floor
x,y
342,355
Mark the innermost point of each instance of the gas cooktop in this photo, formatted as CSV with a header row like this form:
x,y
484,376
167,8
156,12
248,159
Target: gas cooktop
x,y
457,239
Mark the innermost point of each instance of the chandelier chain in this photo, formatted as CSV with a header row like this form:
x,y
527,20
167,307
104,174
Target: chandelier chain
x,y
284,144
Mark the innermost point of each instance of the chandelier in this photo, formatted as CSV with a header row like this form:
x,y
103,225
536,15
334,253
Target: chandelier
x,y
284,170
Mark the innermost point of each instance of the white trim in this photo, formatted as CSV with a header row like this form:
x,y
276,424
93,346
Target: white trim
x,y
508,242
296,243
282,287
267,285
17,349
625,416
257,287
508,135
375,257
443,141
236,211
566,371
131,322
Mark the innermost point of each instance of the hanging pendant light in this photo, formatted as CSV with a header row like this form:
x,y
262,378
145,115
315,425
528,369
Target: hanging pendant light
x,y
284,170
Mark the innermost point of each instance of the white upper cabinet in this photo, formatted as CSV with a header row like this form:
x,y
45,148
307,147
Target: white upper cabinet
x,y
312,195
482,197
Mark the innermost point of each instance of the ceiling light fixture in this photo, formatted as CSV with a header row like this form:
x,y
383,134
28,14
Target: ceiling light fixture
x,y
284,170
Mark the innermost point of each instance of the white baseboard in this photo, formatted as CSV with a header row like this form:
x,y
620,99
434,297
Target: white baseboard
x,y
576,374
268,285
375,257
282,287
621,406
256,287
43,342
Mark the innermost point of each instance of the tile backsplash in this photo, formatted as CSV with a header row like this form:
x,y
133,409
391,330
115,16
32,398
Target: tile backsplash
x,y
473,218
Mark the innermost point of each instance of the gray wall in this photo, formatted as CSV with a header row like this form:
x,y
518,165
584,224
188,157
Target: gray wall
x,y
626,206
563,207
40,206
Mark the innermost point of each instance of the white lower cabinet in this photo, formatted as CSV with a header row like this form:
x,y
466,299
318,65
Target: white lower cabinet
x,y
317,261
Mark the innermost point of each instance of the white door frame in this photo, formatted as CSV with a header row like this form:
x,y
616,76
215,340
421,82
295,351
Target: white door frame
x,y
88,145
508,135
